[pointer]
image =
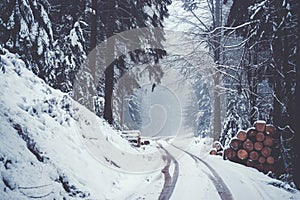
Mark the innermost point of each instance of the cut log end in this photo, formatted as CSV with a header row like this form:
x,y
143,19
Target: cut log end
x,y
260,126
269,141
248,145
251,133
229,154
234,143
270,160
253,155
242,154
272,131
270,128
260,136
261,160
242,135
266,151
258,146
213,152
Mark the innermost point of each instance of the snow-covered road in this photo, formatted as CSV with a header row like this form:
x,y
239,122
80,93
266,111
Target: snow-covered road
x,y
195,175
191,173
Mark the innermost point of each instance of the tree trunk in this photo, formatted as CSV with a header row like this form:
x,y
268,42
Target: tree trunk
x,y
92,56
296,175
93,40
109,71
217,124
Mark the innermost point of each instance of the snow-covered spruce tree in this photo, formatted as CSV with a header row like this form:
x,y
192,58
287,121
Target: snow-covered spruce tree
x,y
69,46
273,31
117,16
281,23
235,119
70,55
204,112
25,28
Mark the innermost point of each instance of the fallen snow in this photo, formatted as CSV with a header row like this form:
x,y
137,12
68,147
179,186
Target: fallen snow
x,y
51,147
56,127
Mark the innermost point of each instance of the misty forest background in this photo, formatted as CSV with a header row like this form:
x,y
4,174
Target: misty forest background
x,y
253,45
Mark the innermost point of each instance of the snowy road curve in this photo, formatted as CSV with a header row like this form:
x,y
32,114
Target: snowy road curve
x,y
171,181
221,187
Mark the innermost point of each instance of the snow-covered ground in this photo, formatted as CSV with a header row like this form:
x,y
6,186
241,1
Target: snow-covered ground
x,y
53,148
43,144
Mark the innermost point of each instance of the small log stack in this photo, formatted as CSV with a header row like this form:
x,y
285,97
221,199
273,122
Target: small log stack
x,y
258,147
217,149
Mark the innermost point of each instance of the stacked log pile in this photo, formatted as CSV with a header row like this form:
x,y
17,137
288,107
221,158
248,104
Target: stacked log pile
x,y
258,147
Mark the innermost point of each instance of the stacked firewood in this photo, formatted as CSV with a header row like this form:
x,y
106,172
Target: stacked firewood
x,y
258,147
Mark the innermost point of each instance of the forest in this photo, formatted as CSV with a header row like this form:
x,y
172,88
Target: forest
x,y
242,61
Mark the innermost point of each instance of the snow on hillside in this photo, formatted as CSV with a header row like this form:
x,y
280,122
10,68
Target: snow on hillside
x,y
41,149
53,148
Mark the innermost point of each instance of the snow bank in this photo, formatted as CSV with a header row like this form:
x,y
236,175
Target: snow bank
x,y
42,154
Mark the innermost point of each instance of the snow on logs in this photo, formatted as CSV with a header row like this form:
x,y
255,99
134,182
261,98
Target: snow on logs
x,y
258,147
217,149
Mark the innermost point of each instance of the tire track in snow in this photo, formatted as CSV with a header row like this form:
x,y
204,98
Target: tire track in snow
x,y
220,185
170,182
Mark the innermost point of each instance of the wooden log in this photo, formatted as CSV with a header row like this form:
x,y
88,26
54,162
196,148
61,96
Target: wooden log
x,y
268,168
219,153
276,153
268,141
146,142
251,134
276,143
260,136
270,160
213,151
253,155
248,145
218,146
272,131
259,166
266,151
250,163
260,125
229,154
261,160
242,154
241,135
258,146
235,143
